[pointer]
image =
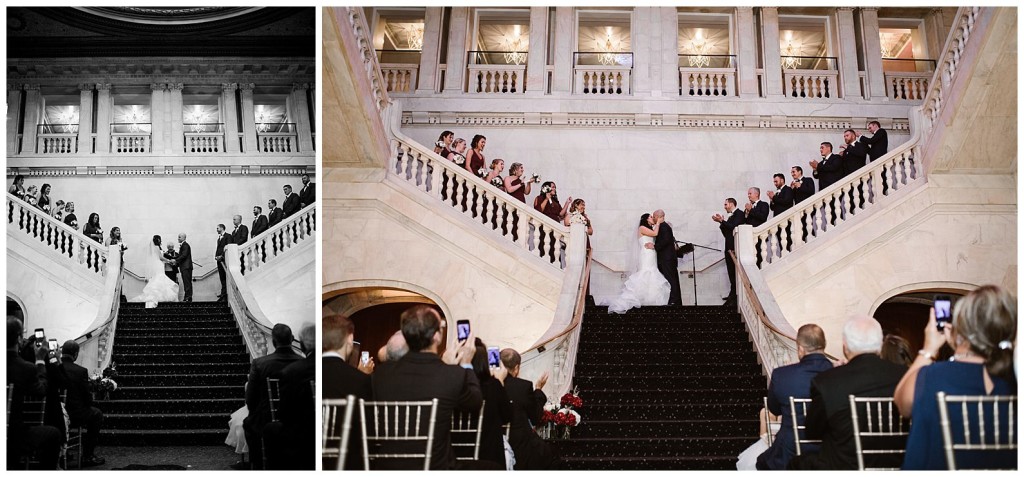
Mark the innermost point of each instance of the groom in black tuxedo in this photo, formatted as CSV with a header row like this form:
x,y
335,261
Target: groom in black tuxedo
x,y
184,263
665,246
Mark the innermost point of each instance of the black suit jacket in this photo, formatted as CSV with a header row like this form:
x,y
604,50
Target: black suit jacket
x,y
782,201
758,214
422,376
497,413
291,205
854,157
728,225
805,191
259,225
256,397
829,171
77,383
276,216
298,413
28,380
184,260
340,380
527,404
878,143
240,235
222,242
308,194
665,245
828,417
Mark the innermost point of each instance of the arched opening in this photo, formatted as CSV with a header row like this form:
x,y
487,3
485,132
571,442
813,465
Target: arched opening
x,y
906,314
15,309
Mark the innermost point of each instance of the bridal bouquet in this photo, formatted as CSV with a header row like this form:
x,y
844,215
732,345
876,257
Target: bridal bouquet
x,y
545,189
559,418
104,384
458,159
482,172
535,178
497,182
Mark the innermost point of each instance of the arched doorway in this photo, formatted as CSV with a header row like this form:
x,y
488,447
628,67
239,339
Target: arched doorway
x,y
15,309
906,314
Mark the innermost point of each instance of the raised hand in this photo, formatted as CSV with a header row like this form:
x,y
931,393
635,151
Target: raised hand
x,y
541,381
814,164
771,194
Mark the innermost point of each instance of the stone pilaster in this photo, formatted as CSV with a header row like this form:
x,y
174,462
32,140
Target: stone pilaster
x,y
565,28
772,53
14,118
645,33
849,71
669,51
537,59
33,111
300,110
430,55
159,118
229,116
104,109
872,53
176,108
746,53
455,69
248,119
85,125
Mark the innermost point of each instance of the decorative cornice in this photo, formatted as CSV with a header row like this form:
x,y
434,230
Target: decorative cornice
x,y
13,86
246,87
187,70
228,87
300,86
158,86
30,86
86,86
175,86
198,170
103,86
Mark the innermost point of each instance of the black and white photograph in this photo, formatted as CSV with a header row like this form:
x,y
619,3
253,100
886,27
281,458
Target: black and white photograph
x,y
161,237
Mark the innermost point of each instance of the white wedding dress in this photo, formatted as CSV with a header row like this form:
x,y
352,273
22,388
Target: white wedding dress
x,y
158,286
647,286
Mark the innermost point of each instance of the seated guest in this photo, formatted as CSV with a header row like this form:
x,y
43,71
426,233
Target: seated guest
x,y
256,398
475,159
17,188
514,184
983,332
793,381
782,197
308,193
341,380
259,223
93,229
444,143
494,174
755,212
291,444
547,202
532,452
69,215
79,404
803,187
394,349
497,411
422,375
43,202
895,349
828,416
28,380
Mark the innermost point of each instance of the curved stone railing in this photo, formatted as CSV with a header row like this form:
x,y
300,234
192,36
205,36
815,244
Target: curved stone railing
x,y
949,63
254,325
280,238
23,217
97,344
451,185
357,22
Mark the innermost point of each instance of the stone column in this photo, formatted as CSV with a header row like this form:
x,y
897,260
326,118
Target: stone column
x,y
936,31
849,72
772,54
85,118
430,54
669,50
248,120
300,108
30,131
175,109
645,33
537,58
158,109
872,52
13,117
104,108
565,28
455,69
746,53
229,116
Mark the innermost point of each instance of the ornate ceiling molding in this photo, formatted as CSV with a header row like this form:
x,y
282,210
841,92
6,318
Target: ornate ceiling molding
x,y
284,71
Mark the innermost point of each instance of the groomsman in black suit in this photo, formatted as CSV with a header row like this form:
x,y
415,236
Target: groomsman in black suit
x,y
308,193
241,233
803,187
223,239
830,169
79,404
727,225
854,152
184,263
878,143
781,198
259,224
756,211
292,204
275,213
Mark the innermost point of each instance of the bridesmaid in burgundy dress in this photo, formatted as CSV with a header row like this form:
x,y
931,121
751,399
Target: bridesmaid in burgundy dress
x,y
444,143
475,160
547,202
515,187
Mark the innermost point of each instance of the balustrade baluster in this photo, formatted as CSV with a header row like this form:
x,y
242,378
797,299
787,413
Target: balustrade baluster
x,y
478,212
874,185
503,222
765,249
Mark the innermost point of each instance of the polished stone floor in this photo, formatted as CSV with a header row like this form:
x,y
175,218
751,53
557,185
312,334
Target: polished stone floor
x,y
189,457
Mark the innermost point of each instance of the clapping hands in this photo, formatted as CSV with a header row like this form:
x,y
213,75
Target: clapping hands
x,y
771,194
814,164
717,217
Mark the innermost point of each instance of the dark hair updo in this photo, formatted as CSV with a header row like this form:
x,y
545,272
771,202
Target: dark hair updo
x,y
643,221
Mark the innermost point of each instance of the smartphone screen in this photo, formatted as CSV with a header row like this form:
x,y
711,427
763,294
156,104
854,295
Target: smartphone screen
x,y
39,333
943,314
53,344
364,357
462,329
493,357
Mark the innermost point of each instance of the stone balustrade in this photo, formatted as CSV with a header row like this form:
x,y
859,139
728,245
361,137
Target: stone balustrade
x,y
399,78
65,241
130,144
909,86
497,79
204,143
277,240
608,80
707,82
57,143
277,143
949,63
813,84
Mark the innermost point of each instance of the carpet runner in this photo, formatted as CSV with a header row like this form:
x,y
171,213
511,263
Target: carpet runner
x,y
182,371
664,389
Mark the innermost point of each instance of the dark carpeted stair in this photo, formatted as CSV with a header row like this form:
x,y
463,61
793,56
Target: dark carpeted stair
x,y
182,370
665,388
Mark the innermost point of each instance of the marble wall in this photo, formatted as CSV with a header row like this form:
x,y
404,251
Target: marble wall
x,y
284,287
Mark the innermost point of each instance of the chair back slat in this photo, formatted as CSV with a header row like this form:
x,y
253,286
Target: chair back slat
x,y
767,425
878,430
397,429
332,432
996,442
798,411
273,396
467,428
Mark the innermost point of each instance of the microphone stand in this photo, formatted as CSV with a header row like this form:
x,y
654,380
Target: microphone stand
x,y
688,247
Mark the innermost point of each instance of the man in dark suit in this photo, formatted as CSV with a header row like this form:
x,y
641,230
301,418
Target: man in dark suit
x,y
28,379
341,380
793,381
755,212
240,234
854,152
727,225
532,452
292,204
803,187
829,170
782,197
828,416
256,398
275,214
308,193
290,443
421,375
259,224
79,404
184,263
223,240
668,262
878,143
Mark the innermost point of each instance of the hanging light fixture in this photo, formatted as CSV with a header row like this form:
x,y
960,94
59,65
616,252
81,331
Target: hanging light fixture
x,y
514,47
261,119
133,118
700,47
790,53
198,118
415,40
67,118
608,58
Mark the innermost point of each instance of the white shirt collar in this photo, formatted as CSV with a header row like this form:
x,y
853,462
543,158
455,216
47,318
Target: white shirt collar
x,y
331,354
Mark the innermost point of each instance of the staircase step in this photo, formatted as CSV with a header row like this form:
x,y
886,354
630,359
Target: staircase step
x,y
180,392
196,325
700,346
167,357
182,348
182,368
665,356
163,437
669,396
642,325
642,410
682,335
703,369
659,446
121,406
173,305
213,341
178,421
222,379
666,428
179,333
672,381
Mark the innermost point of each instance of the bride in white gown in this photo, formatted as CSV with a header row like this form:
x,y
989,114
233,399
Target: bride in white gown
x,y
158,286
646,286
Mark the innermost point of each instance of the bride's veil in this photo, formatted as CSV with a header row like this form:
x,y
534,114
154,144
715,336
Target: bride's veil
x,y
153,266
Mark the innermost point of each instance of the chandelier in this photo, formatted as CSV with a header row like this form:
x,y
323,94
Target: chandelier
x,y
608,58
67,118
789,59
415,40
133,118
700,47
261,119
514,47
892,43
197,118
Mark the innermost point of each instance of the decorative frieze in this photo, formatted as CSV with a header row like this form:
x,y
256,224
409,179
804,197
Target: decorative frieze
x,y
189,170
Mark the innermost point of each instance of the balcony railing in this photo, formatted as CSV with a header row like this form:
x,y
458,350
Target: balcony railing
x,y
595,58
57,129
57,139
810,76
907,86
810,63
131,138
204,138
497,72
707,75
276,138
603,73
907,65
131,128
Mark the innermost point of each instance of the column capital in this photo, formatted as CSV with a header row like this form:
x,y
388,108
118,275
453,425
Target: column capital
x,y
869,9
300,86
772,9
247,86
86,86
13,86
103,86
844,9
744,9
228,87
158,86
30,87
175,86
